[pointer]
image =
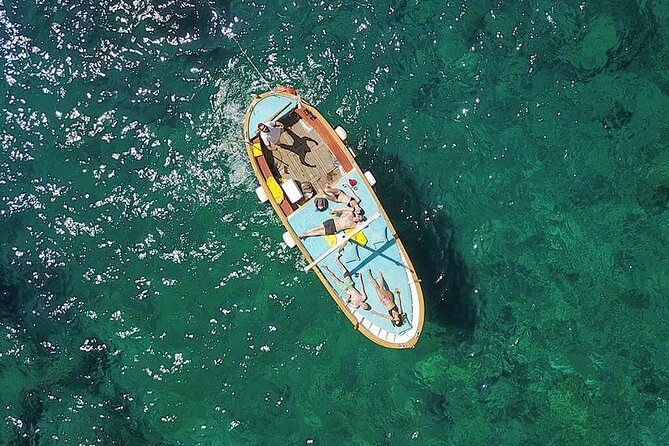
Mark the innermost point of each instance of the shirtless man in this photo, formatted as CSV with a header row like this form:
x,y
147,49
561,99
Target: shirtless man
x,y
354,298
348,219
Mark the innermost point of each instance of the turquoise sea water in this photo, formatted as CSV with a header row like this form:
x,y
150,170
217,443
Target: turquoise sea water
x,y
521,152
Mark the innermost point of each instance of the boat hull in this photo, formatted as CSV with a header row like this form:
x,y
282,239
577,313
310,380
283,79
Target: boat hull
x,y
312,152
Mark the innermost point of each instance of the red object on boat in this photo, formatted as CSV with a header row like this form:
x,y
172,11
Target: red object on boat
x,y
285,89
353,182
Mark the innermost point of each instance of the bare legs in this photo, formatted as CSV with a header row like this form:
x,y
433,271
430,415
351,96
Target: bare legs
x,y
380,288
330,273
336,195
343,269
333,191
385,296
387,299
318,230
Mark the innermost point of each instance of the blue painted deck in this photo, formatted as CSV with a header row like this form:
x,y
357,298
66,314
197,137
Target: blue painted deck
x,y
266,109
380,254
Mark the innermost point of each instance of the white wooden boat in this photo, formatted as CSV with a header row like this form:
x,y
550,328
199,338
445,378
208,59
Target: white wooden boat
x,y
313,155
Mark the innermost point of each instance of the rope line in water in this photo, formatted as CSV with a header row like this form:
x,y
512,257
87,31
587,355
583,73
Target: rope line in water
x,y
269,86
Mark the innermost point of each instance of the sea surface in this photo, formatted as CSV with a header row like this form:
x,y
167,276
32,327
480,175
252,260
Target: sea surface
x,y
520,148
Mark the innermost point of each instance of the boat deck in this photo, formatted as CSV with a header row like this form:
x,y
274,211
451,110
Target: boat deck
x,y
380,253
303,155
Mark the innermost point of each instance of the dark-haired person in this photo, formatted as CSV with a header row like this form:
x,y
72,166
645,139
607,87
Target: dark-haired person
x,y
356,211
348,219
395,313
339,196
270,132
321,204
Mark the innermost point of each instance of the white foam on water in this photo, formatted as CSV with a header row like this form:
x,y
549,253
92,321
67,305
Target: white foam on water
x,y
222,128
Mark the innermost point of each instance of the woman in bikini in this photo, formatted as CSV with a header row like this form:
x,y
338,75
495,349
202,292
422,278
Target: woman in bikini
x,y
338,195
388,301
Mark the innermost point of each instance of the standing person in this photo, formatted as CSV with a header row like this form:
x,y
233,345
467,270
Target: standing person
x,y
354,298
386,298
270,132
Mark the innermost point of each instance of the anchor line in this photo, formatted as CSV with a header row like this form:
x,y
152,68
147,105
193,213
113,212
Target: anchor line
x,y
269,86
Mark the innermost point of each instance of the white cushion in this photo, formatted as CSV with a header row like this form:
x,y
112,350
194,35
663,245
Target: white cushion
x,y
292,190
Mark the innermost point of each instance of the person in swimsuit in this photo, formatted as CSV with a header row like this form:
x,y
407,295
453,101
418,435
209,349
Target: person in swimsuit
x,y
347,220
338,196
386,297
354,298
356,211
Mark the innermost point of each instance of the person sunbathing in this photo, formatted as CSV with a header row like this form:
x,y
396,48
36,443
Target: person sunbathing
x,y
395,313
338,196
354,298
348,219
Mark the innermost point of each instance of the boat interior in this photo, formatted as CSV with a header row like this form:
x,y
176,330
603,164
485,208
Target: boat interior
x,y
303,155
376,249
308,157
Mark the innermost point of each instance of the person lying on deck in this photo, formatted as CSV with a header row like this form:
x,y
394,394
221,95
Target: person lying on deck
x,y
348,219
354,298
338,196
395,313
356,211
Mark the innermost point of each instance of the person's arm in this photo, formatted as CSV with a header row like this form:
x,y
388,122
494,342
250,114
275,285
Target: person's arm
x,y
376,313
362,286
278,124
399,301
340,211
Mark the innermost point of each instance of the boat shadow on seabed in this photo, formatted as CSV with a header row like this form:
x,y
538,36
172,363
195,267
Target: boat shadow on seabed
x,y
450,298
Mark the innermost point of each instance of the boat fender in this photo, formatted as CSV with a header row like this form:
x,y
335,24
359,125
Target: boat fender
x,y
370,178
285,89
288,240
341,133
350,149
262,196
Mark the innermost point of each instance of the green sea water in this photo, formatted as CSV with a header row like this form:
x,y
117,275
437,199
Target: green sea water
x,y
520,150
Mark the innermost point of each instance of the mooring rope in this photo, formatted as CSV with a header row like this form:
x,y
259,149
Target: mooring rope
x,y
269,86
